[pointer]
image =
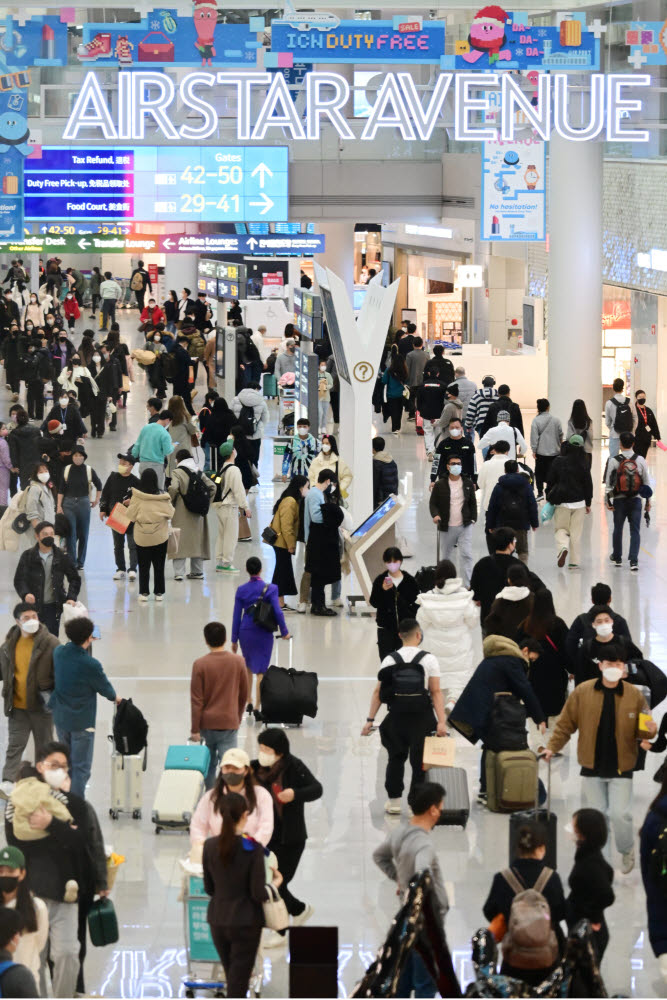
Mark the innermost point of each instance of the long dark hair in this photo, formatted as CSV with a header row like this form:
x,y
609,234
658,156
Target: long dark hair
x,y
397,365
579,417
232,808
221,792
330,439
293,488
25,907
542,615
148,482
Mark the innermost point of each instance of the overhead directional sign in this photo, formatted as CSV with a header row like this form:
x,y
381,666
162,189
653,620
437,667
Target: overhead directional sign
x,y
228,243
157,184
93,244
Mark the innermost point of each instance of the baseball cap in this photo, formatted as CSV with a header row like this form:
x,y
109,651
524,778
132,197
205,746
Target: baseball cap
x,y
12,857
236,757
127,458
576,440
225,449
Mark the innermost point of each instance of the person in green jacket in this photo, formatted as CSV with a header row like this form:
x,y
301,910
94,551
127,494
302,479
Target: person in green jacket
x,y
154,445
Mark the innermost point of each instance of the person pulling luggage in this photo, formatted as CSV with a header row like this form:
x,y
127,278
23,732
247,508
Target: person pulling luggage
x,y
409,684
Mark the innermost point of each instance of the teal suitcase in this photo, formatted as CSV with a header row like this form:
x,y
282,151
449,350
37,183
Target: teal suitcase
x,y
270,386
102,923
191,757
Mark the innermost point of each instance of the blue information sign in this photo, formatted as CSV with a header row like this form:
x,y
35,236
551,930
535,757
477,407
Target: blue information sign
x,y
158,184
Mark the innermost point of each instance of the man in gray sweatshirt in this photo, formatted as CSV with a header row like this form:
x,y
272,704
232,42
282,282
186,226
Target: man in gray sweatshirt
x,y
407,851
546,437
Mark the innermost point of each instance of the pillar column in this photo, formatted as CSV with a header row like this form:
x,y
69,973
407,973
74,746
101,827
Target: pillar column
x,y
180,271
339,253
575,276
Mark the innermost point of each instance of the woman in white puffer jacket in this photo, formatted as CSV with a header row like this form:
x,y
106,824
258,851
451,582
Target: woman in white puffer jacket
x,y
449,620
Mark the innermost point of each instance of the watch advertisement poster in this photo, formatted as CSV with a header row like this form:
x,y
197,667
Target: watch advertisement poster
x,y
513,191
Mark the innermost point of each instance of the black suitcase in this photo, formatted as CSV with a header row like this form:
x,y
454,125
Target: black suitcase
x,y
543,816
288,694
456,808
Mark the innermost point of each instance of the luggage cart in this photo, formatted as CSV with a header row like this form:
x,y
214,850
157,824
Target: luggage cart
x,y
199,947
286,406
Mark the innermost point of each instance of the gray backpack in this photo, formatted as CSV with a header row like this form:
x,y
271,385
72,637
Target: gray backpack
x,y
530,941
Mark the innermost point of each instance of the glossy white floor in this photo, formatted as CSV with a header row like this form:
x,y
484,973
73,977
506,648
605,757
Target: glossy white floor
x,y
148,651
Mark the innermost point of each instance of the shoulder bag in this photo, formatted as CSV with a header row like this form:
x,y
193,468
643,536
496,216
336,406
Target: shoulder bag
x,y
262,612
276,917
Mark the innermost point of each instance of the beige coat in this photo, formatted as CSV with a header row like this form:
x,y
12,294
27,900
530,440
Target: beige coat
x,y
180,434
337,465
194,542
151,513
286,523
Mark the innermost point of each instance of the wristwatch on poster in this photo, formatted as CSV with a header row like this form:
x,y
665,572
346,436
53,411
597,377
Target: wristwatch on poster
x,y
531,177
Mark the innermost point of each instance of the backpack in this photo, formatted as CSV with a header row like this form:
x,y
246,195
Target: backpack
x,y
130,729
512,513
262,612
247,420
4,966
196,498
402,686
623,418
530,941
507,724
628,480
137,282
657,862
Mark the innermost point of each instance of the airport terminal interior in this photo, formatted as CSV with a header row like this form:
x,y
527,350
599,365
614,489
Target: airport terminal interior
x,y
489,183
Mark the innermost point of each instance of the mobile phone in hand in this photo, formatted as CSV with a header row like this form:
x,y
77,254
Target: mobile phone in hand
x,y
96,632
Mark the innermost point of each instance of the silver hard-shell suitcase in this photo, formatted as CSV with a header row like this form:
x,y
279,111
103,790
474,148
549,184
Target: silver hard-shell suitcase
x,y
178,793
126,784
456,807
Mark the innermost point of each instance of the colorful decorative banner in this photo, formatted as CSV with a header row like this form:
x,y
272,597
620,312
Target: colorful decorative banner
x,y
356,42
648,43
513,191
40,41
167,38
499,40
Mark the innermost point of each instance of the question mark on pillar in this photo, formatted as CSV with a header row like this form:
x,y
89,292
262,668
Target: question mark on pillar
x,y
363,371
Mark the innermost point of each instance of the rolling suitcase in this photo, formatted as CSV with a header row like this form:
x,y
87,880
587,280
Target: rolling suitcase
x,y
511,780
456,808
270,386
126,785
419,424
180,786
543,816
288,694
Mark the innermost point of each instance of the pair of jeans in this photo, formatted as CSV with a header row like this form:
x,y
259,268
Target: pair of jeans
x,y
613,798
217,741
415,976
460,537
119,548
155,556
77,512
630,509
322,415
108,312
80,744
614,446
21,724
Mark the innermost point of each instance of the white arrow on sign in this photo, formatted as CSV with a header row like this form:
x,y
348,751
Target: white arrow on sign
x,y
84,244
168,244
263,172
252,242
265,204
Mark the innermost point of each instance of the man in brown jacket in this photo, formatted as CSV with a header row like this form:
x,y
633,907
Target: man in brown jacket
x,y
606,714
218,697
26,665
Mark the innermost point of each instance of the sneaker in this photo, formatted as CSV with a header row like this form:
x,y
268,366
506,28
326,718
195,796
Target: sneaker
x,y
6,789
195,576
562,556
273,939
178,577
628,861
132,575
159,598
302,607
245,539
119,574
634,567
98,48
338,603
393,807
288,610
303,917
482,799
71,891
219,568
227,569
616,562
143,598
429,456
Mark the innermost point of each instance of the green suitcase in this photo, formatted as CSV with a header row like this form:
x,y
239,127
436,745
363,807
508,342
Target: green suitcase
x,y
102,923
511,780
270,386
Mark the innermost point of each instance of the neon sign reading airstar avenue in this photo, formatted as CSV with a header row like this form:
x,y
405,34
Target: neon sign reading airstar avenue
x,y
146,95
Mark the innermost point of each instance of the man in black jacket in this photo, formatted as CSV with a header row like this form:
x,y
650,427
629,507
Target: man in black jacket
x,y
40,578
512,505
17,980
108,377
182,365
201,311
9,312
440,367
453,508
144,277
503,402
582,626
430,401
647,425
116,489
455,444
385,472
489,574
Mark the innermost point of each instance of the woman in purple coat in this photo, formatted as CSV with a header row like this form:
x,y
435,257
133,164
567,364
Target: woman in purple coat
x,y
256,642
5,465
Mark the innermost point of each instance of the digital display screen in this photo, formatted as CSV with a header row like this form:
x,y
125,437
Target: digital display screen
x,y
335,335
258,229
288,228
158,184
308,313
376,516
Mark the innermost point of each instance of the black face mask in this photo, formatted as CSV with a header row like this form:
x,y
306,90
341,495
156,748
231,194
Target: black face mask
x,y
233,780
642,401
49,541
8,883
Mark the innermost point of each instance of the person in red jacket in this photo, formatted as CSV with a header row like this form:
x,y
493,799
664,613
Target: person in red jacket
x,y
71,309
151,315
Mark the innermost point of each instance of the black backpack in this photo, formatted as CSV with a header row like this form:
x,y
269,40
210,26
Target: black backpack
x,y
507,724
196,497
512,513
262,612
247,420
402,686
130,729
623,418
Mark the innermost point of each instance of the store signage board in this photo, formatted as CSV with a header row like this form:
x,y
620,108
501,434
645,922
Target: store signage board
x,y
229,243
360,42
513,191
157,183
150,95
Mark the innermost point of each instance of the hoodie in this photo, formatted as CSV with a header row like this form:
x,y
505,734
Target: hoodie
x,y
510,608
453,410
512,504
405,852
254,398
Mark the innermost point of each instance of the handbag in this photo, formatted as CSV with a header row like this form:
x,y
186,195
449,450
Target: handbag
x,y
118,519
125,386
276,917
194,440
155,50
244,527
547,512
102,923
262,613
269,535
173,541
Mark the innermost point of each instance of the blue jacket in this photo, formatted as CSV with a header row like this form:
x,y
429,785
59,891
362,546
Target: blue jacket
x,y
656,902
79,678
512,483
154,443
394,385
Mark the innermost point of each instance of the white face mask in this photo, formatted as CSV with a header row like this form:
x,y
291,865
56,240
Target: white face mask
x,y
29,626
43,477
604,630
323,368
455,432
455,470
303,432
64,400
55,778
266,759
612,674
326,448
96,359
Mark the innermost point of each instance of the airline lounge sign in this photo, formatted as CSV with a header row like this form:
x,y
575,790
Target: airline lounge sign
x,y
153,96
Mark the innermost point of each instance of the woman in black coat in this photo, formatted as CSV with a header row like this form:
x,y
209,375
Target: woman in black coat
x,y
647,425
235,879
549,673
591,877
25,447
244,457
291,785
394,596
216,429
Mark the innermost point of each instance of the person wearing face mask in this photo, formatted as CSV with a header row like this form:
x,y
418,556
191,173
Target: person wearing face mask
x,y
15,895
625,481
453,507
504,431
68,414
328,458
456,443
233,775
116,490
592,649
62,350
33,312
249,406
35,371
452,410
300,451
394,596
324,387
16,980
489,574
65,862
322,519
591,878
26,665
151,315
210,349
76,378
25,448
286,362
430,400
71,310
40,577
39,502
291,785
285,522
79,491
582,628
219,689
9,352
647,425
605,712
9,313
106,380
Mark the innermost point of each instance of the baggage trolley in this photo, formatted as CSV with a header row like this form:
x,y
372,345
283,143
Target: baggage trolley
x,y
199,947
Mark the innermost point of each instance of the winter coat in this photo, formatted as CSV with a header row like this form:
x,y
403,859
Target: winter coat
x,y
39,503
29,577
218,425
440,368
116,489
510,485
40,668
431,399
501,895
71,308
546,434
581,629
647,425
590,884
79,678
289,820
467,390
489,576
323,545
79,380
71,419
181,436
510,608
590,651
152,316
478,407
549,673
449,619
337,465
416,361
194,542
33,313
385,477
254,398
452,410
286,523
656,900
447,446
25,449
151,513
394,385
392,606
569,481
500,404
439,502
502,669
